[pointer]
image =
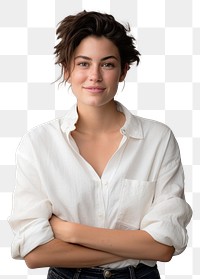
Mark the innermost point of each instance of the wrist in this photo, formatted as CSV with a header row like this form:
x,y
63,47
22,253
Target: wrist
x,y
70,233
79,234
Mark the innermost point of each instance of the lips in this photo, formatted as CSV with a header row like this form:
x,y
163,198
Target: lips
x,y
94,89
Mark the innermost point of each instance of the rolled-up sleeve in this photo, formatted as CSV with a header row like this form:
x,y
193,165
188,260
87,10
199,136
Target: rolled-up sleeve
x,y
169,215
31,207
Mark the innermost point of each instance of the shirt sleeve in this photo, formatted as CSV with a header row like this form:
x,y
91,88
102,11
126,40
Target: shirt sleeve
x,y
169,214
31,207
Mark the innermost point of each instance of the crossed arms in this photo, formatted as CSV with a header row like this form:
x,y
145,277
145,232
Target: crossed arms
x,y
77,245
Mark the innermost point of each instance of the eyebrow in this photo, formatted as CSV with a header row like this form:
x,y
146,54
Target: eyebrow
x,y
102,59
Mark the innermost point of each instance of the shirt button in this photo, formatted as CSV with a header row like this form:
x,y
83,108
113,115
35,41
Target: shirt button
x,y
107,273
123,131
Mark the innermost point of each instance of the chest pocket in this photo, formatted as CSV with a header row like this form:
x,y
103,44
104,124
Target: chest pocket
x,y
135,200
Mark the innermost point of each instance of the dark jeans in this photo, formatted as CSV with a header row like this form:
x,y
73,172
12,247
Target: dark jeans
x,y
140,272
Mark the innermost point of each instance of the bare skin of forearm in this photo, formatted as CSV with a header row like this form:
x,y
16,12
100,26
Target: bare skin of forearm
x,y
62,254
130,244
136,244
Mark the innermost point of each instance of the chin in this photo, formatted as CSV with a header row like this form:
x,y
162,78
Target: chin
x,y
96,102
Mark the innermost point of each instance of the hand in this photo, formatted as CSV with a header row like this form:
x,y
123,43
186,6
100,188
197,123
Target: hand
x,y
62,229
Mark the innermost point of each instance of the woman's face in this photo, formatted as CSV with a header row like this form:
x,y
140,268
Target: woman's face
x,y
95,71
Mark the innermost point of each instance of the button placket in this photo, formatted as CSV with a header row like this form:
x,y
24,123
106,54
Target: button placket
x,y
100,205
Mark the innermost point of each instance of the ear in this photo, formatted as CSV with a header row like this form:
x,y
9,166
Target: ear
x,y
124,72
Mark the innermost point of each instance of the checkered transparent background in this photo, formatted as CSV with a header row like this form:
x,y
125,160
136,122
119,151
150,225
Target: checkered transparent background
x,y
165,87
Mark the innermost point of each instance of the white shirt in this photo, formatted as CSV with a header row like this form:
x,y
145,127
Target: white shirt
x,y
142,186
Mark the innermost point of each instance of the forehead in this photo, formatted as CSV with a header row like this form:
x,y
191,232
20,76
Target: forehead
x,y
96,47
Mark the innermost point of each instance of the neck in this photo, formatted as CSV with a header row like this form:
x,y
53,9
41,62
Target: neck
x,y
96,120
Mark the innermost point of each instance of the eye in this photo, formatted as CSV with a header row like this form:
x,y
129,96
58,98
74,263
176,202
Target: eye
x,y
83,64
108,65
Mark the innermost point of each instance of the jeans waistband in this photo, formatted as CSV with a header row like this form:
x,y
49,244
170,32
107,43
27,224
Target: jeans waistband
x,y
98,272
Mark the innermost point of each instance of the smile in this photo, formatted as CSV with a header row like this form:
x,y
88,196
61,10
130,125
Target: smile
x,y
94,89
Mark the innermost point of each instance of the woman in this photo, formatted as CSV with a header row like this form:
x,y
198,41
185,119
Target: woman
x,y
99,192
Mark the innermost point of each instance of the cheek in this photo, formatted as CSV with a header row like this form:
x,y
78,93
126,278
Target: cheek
x,y
77,77
113,77
115,80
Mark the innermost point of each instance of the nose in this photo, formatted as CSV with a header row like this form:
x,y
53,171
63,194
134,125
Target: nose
x,y
95,74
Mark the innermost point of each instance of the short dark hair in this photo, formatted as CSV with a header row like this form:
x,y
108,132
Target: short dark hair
x,y
74,28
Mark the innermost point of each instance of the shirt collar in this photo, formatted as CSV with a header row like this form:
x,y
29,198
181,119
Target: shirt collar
x,y
69,120
131,128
